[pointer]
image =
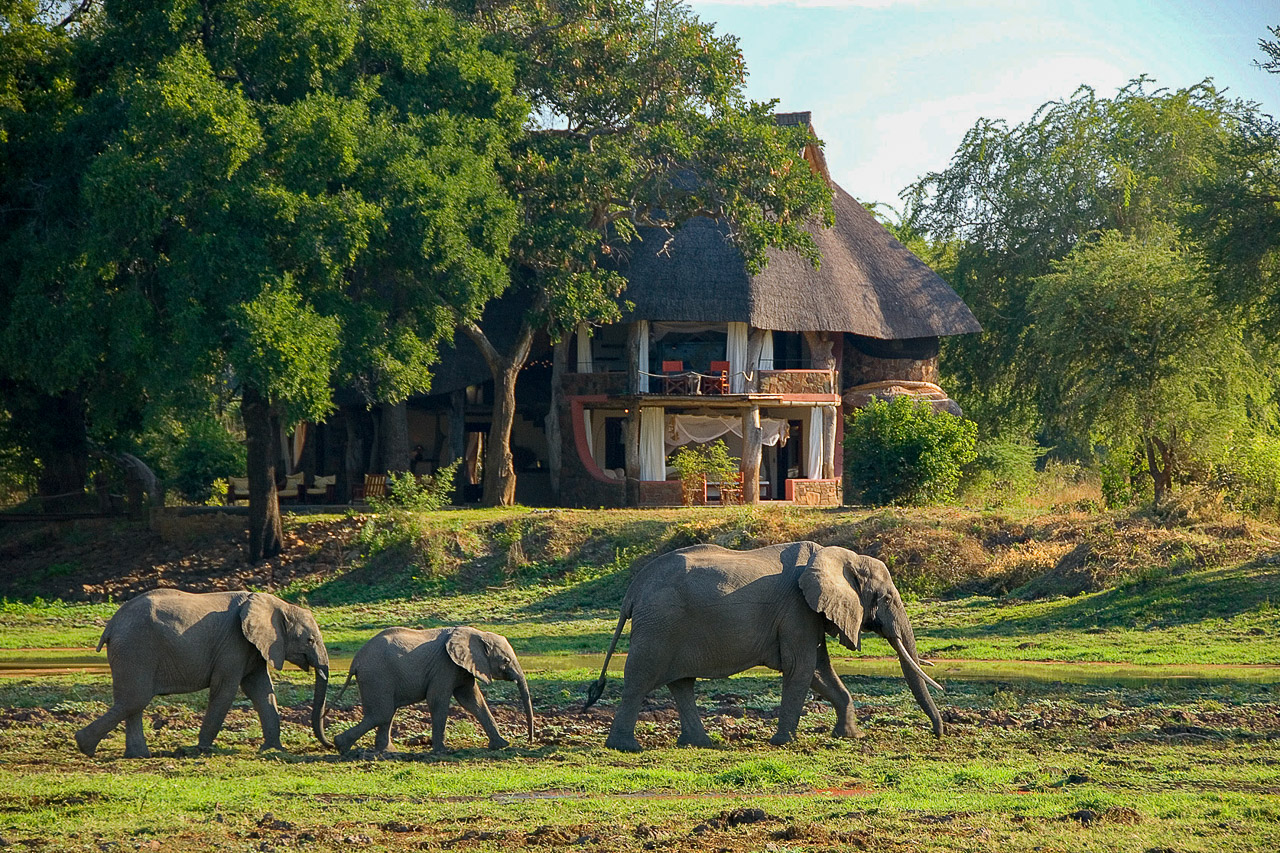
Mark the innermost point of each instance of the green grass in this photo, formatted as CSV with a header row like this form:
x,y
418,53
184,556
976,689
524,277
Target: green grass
x,y
1059,756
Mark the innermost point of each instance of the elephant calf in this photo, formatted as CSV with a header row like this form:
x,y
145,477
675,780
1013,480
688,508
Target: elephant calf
x,y
403,666
168,641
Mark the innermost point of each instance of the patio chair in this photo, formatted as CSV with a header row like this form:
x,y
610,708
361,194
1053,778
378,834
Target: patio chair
x,y
676,380
718,382
292,488
237,490
374,486
321,489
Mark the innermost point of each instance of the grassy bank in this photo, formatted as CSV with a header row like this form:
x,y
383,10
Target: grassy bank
x,y
1133,765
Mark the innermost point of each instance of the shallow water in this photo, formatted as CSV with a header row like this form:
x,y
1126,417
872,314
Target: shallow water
x,y
34,663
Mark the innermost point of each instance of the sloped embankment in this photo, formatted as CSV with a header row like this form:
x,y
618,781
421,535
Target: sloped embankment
x,y
931,551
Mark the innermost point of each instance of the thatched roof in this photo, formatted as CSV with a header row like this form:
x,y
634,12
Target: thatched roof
x,y
868,282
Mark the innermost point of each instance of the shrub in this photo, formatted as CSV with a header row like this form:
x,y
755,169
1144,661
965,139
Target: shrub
x,y
693,462
1003,469
418,494
207,452
905,452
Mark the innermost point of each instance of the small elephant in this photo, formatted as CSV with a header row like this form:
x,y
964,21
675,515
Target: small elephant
x,y
709,612
167,641
402,666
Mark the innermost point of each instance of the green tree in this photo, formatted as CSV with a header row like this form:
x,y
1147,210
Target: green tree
x,y
638,120
287,193
1016,198
1141,355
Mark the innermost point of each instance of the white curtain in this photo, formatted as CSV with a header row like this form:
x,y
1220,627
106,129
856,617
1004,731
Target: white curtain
x,y
813,444
643,385
653,455
586,429
766,351
585,363
699,429
736,355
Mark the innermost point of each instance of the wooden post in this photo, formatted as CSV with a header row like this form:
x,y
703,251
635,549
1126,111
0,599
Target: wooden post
x,y
631,459
828,442
633,359
559,366
751,449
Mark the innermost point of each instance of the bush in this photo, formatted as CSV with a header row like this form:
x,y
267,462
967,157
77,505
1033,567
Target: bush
x,y
206,452
418,494
1003,469
905,452
693,462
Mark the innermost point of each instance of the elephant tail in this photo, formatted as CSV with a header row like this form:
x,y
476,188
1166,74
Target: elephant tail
x,y
106,632
596,690
351,673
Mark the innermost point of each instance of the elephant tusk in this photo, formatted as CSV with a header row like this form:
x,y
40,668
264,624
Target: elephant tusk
x,y
924,662
915,667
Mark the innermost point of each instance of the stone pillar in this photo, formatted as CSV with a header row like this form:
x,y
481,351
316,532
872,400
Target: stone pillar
x,y
751,451
828,442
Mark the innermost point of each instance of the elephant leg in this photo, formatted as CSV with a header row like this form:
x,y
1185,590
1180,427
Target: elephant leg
x,y
798,668
257,686
639,680
222,692
382,739
135,737
691,731
439,718
130,694
471,699
827,684
347,739
88,738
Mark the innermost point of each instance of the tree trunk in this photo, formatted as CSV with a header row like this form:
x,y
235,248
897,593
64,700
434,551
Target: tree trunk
x,y
499,466
751,452
60,440
1161,477
559,363
266,533
395,436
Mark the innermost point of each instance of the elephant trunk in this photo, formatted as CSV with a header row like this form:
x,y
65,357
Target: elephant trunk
x,y
903,640
318,705
525,700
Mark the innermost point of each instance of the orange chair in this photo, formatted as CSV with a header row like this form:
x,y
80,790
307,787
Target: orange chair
x,y
676,380
718,383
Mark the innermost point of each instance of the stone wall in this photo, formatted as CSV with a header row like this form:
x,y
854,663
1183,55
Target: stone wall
x,y
588,384
661,493
814,492
796,382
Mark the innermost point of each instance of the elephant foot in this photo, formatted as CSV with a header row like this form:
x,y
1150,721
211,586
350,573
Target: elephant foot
x,y
848,730
84,744
781,738
272,747
700,740
141,753
499,743
623,744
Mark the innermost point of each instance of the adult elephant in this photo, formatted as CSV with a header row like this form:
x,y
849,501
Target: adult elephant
x,y
709,612
168,641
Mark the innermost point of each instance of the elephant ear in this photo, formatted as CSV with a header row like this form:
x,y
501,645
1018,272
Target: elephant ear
x,y
262,621
468,650
828,587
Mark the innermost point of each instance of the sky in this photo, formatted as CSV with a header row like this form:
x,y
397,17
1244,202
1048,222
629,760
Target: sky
x,y
893,85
